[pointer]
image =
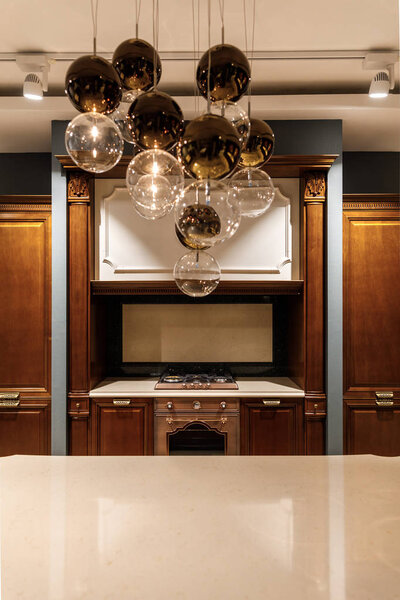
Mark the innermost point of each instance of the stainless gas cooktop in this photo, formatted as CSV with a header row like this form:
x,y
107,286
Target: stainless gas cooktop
x,y
187,378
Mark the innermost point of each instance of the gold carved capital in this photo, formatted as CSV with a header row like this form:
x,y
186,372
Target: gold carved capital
x,y
315,186
78,187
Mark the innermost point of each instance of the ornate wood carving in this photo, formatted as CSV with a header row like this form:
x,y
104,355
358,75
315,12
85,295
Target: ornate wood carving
x,y
78,187
315,186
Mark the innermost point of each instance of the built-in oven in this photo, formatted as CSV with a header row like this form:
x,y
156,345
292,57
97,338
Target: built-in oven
x,y
196,426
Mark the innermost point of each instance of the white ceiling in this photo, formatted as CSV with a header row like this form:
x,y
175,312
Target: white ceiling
x,y
295,88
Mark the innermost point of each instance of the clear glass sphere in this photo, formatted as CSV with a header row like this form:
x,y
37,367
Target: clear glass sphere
x,y
122,120
94,142
251,191
204,215
155,180
236,115
197,273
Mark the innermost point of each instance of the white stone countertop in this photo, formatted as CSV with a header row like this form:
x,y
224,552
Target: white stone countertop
x,y
200,528
248,387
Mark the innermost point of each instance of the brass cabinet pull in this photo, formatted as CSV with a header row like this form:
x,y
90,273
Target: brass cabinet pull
x,y
271,402
121,402
384,398
9,400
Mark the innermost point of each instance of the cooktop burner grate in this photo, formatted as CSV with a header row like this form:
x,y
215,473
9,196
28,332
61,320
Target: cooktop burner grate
x,y
181,378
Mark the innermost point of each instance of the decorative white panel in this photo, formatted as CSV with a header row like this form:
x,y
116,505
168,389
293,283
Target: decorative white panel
x,y
129,247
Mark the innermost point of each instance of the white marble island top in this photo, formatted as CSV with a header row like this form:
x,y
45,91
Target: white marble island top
x,y
248,388
200,528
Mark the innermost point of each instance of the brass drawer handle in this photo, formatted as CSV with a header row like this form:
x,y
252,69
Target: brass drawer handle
x,y
121,402
384,398
9,400
271,402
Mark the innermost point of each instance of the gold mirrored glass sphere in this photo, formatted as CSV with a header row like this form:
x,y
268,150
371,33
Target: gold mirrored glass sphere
x,y
92,85
156,121
229,73
210,147
134,62
260,145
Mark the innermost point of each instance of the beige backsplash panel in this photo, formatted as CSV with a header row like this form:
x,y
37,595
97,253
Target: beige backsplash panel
x,y
202,333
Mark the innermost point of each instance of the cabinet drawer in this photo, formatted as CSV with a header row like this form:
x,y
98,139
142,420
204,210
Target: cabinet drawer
x,y
122,427
371,429
271,427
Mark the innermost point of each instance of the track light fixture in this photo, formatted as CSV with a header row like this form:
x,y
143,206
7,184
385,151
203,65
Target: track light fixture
x,y
383,80
37,66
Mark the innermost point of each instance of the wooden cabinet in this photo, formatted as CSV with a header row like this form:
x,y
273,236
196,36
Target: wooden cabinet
x,y
122,427
371,429
25,322
271,427
371,328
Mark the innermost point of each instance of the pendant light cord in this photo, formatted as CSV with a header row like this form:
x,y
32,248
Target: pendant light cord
x,y
195,89
222,13
138,6
252,50
209,59
94,7
156,24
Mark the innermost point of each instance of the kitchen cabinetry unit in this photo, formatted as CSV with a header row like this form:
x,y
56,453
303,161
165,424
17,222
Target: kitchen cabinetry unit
x,y
25,322
271,426
371,267
304,302
122,426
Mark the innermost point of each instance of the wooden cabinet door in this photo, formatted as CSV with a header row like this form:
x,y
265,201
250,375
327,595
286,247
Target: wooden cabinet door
x,y
122,429
370,429
271,430
371,276
24,430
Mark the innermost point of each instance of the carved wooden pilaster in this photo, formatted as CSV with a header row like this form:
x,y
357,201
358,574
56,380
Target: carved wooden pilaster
x,y
79,195
314,307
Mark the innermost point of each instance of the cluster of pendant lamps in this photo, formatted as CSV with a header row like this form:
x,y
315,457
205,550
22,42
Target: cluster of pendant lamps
x,y
119,102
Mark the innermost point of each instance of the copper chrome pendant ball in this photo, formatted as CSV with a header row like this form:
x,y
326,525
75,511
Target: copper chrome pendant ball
x,y
210,147
156,121
260,145
196,222
92,84
134,62
229,73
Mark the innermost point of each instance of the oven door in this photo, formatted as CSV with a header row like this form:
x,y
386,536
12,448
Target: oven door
x,y
196,426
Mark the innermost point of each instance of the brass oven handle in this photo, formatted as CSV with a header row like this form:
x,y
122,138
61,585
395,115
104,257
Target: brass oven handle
x,y
121,402
9,400
271,402
384,398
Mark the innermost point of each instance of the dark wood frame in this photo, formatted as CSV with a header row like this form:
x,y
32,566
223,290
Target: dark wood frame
x,y
82,292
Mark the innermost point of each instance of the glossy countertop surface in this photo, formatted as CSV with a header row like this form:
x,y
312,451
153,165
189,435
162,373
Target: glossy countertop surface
x,y
191,528
248,387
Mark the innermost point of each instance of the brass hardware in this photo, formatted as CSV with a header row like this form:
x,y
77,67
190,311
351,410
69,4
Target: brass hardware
x,y
170,405
223,405
121,402
271,402
78,405
384,398
220,422
196,405
9,399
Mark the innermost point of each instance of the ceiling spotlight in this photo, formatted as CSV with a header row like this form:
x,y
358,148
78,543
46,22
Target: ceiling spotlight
x,y
37,66
33,89
380,85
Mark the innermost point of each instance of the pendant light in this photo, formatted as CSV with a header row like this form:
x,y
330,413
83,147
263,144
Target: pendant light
x,y
197,273
92,139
